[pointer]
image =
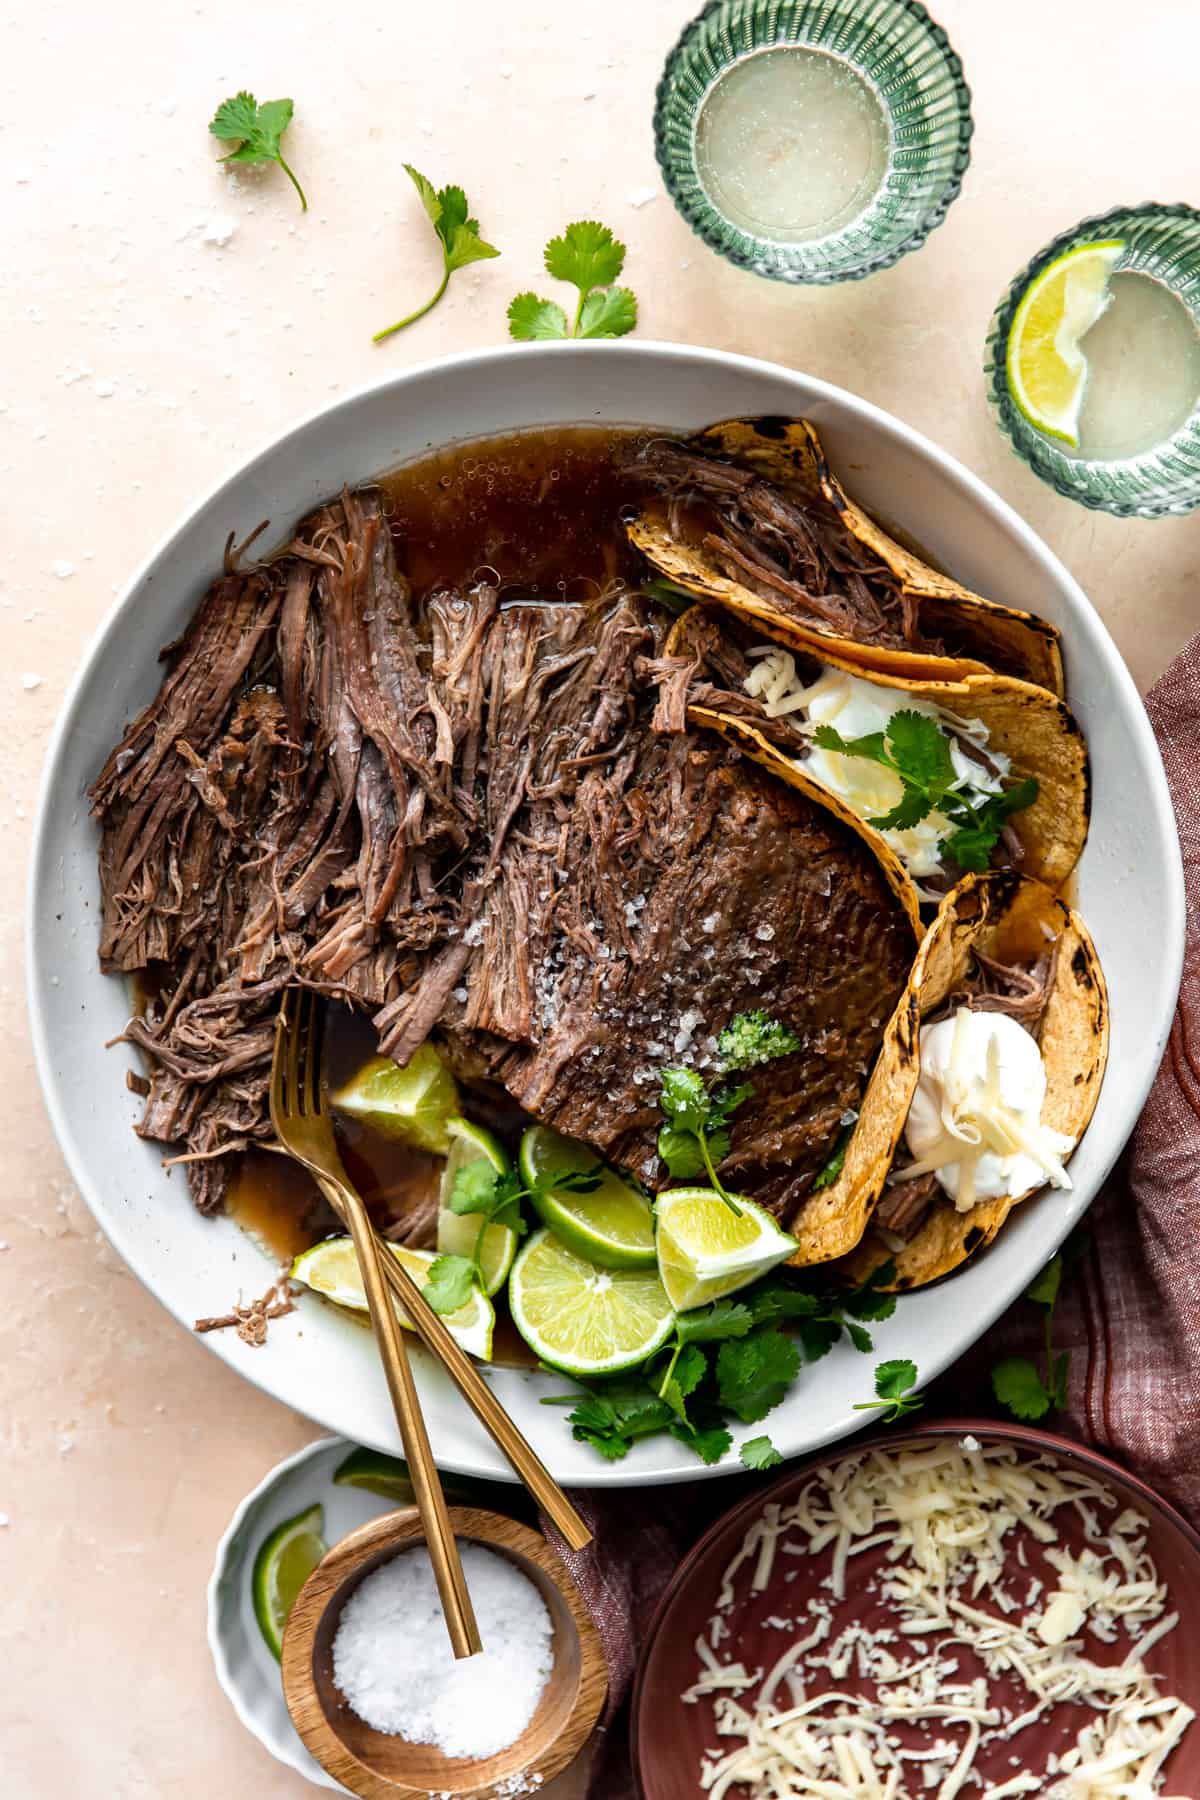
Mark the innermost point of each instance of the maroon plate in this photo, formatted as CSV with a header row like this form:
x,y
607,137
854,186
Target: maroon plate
x,y
669,1738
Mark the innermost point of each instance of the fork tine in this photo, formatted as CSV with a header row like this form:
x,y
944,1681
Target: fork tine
x,y
294,1045
306,1031
316,1052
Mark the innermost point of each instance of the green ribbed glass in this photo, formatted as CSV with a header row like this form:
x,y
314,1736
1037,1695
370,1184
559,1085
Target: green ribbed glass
x,y
1163,241
898,50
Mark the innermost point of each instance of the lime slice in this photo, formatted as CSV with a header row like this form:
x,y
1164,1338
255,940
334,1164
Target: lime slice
x,y
611,1224
705,1250
388,1477
331,1268
1046,367
284,1563
414,1103
458,1233
581,1319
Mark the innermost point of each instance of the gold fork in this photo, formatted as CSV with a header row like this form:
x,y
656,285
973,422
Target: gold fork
x,y
304,1128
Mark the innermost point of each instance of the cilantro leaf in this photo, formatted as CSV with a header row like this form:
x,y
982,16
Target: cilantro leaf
x,y
589,257
895,1378
760,1453
1018,1387
530,318
755,1372
1044,1287
609,313
909,810
725,1101
710,1324
709,1444
256,132
688,1367
826,1176
893,1384
754,1037
475,1187
920,751
859,1336
457,233
818,1336
451,1279
680,1150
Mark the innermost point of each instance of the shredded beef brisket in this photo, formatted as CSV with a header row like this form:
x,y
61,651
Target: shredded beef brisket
x,y
483,819
796,555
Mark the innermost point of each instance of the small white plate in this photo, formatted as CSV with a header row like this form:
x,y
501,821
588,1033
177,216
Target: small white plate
x,y
245,1667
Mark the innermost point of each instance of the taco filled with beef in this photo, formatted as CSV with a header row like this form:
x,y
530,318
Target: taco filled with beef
x,y
998,1083
749,515
943,779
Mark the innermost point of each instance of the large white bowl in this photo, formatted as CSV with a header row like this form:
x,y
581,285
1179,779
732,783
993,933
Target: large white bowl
x,y
1130,881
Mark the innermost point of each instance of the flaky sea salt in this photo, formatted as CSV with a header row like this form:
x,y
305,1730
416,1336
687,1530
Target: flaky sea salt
x,y
392,1658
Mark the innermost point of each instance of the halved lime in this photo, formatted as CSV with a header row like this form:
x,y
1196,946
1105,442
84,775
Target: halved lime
x,y
414,1103
705,1250
284,1563
1046,368
459,1232
582,1319
611,1224
331,1268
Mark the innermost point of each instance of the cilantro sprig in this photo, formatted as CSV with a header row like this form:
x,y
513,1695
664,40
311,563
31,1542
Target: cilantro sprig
x,y
457,234
590,258
729,1360
696,1136
894,1382
1021,1388
918,751
256,132
496,1196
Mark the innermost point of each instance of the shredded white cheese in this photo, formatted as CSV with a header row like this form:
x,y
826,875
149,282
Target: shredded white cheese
x,y
902,1713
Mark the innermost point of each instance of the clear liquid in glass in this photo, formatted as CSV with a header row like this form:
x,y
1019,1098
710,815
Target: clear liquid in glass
x,y
791,144
1143,381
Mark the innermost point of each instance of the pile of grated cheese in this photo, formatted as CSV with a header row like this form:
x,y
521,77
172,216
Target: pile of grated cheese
x,y
950,1523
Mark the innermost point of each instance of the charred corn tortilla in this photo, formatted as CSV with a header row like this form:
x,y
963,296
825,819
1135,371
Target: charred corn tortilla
x,y
989,913
1033,728
788,454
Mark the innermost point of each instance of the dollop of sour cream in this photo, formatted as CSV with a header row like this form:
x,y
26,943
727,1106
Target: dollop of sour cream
x,y
976,1117
856,708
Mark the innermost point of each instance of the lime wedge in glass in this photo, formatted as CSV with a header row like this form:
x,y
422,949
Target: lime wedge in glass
x,y
331,1268
1045,364
582,1319
611,1224
284,1563
414,1103
458,1233
706,1251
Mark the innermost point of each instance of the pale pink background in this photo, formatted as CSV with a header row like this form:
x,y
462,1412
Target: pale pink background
x,y
139,361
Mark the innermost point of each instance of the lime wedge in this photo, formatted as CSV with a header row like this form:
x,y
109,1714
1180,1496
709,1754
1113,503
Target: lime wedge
x,y
1046,367
331,1268
284,1563
611,1224
581,1319
388,1477
705,1250
414,1103
458,1233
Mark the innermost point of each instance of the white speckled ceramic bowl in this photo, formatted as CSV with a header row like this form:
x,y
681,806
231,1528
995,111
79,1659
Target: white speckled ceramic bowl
x,y
1130,886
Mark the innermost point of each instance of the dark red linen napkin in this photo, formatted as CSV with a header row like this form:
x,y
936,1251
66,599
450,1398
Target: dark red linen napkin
x,y
1129,1313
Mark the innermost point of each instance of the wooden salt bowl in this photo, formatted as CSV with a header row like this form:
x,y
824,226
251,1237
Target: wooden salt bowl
x,y
378,1766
